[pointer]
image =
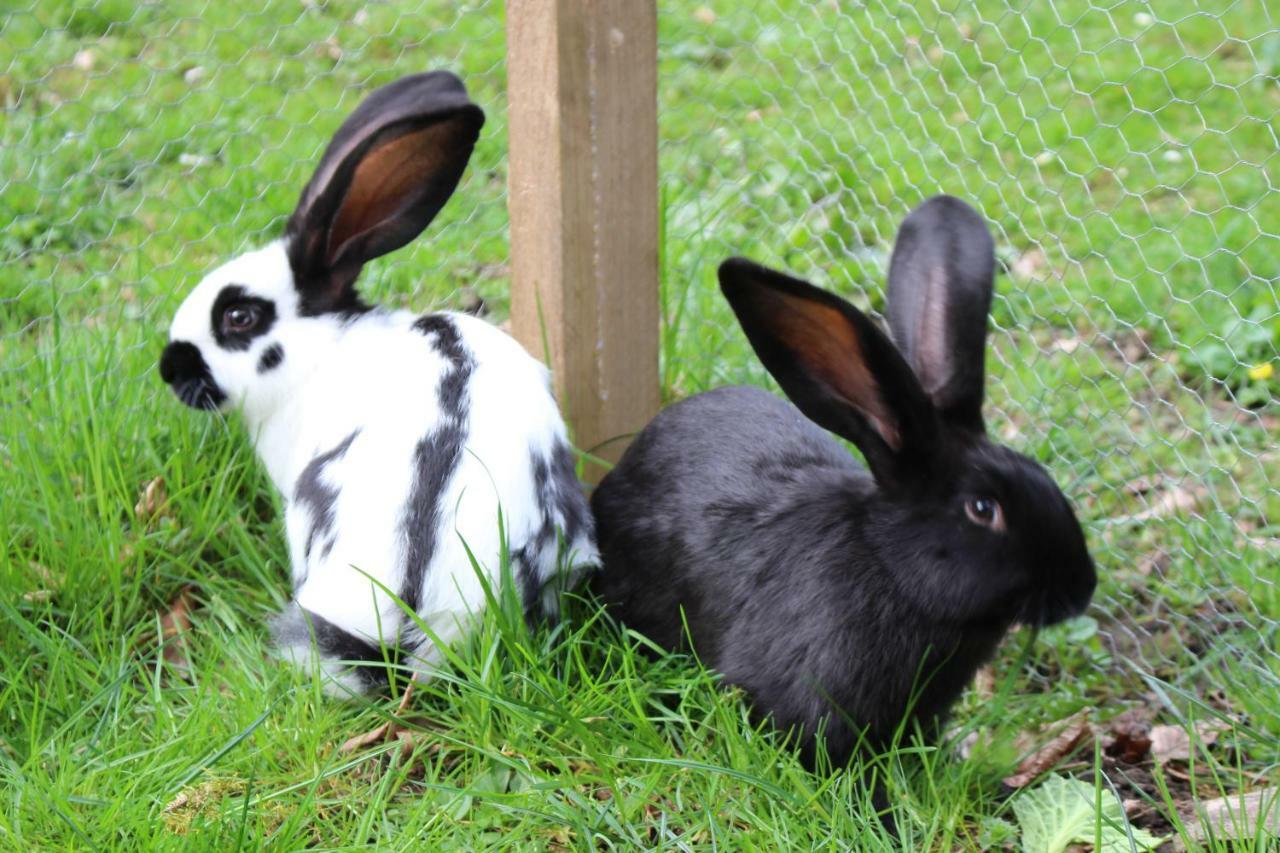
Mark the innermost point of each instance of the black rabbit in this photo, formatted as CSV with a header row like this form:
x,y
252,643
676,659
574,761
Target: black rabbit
x,y
835,596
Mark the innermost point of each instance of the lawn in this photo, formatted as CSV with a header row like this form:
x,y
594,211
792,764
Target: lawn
x,y
1128,160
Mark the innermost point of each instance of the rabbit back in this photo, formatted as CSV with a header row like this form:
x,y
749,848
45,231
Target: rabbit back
x,y
458,455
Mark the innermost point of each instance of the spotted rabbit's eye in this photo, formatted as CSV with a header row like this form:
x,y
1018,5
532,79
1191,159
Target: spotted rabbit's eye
x,y
239,318
985,512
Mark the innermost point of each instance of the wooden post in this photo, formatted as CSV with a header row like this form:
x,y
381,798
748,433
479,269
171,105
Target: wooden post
x,y
582,86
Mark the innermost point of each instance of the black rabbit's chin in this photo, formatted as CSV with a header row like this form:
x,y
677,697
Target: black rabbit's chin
x,y
1058,604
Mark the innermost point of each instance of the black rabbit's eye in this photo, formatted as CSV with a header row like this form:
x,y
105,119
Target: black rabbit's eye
x,y
986,512
239,318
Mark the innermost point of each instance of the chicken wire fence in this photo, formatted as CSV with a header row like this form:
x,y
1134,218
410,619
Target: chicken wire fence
x,y
1124,153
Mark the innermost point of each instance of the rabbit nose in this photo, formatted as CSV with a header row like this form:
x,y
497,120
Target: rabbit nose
x,y
181,360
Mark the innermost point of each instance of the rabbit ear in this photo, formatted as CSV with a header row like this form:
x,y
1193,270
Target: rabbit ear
x,y
834,364
389,169
940,281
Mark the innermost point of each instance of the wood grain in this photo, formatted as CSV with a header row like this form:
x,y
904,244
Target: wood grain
x,y
582,84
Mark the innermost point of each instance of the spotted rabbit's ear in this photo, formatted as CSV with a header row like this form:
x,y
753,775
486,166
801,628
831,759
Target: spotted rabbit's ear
x,y
940,283
835,365
390,168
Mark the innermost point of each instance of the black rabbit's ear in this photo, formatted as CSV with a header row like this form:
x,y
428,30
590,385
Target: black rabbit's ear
x,y
940,281
834,364
389,169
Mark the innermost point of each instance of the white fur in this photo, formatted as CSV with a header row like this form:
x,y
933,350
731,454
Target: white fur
x,y
378,375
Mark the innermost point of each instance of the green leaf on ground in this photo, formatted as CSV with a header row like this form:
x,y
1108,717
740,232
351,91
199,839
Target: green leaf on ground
x,y
1066,811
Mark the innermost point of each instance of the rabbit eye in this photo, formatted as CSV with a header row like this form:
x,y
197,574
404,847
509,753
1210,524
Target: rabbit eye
x,y
239,318
985,512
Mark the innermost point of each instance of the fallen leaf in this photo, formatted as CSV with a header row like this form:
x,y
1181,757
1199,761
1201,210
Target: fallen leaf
x,y
1255,815
703,15
153,502
1174,501
1156,563
984,682
1063,812
1029,263
1135,345
330,48
1141,485
175,622
1129,736
392,729
1173,743
1075,729
1262,372
376,735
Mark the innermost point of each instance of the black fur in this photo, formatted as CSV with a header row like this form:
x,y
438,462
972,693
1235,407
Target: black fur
x,y
299,627
234,294
184,369
559,494
437,455
271,358
833,595
312,492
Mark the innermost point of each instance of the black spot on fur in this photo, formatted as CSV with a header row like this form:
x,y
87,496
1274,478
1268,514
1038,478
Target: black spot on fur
x,y
319,497
185,370
297,627
271,358
234,294
559,496
437,454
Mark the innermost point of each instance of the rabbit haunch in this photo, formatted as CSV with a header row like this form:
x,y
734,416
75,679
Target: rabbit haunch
x,y
406,447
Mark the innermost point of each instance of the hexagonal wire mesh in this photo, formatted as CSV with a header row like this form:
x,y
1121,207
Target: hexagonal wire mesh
x,y
1125,155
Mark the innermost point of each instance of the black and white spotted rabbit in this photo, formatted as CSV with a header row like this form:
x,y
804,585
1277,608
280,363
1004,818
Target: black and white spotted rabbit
x,y
395,439
828,591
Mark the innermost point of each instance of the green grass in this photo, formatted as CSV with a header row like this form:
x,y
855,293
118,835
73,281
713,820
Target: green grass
x,y
1139,159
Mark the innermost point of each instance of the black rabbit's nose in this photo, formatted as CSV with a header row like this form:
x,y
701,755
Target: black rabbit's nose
x,y
181,360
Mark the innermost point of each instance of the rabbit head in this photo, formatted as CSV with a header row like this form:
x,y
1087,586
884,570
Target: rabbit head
x,y
979,534
250,329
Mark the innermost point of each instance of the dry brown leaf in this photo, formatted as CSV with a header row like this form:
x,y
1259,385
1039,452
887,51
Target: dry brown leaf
x,y
376,735
1030,264
1129,736
1172,501
392,729
1075,730
1241,816
984,682
153,503
175,622
1173,743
